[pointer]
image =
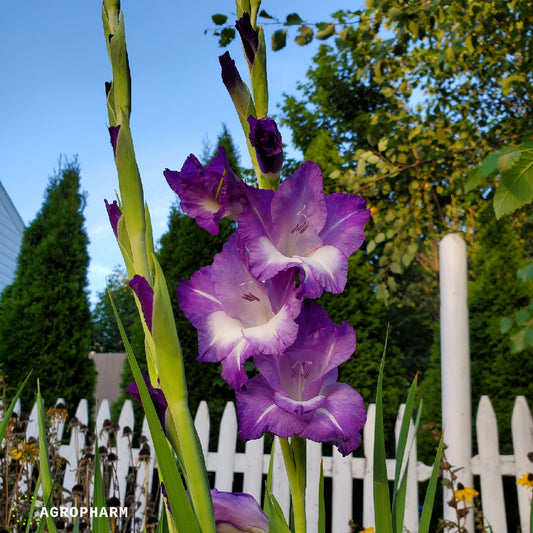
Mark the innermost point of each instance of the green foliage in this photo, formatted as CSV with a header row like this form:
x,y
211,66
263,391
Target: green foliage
x,y
497,370
412,99
45,320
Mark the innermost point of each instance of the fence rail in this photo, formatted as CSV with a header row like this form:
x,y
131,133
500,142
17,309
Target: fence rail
x,y
253,465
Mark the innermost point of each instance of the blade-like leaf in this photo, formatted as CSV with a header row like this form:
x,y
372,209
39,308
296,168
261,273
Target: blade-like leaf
x,y
185,519
425,517
321,502
7,414
44,464
276,520
100,521
382,511
402,439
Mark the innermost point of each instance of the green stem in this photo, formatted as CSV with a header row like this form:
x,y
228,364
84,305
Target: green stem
x,y
295,464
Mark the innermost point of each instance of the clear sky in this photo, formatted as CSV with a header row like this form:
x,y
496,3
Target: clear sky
x,y
54,63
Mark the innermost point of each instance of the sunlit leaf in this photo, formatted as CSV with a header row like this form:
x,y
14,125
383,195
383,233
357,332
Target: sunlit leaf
x,y
305,36
325,32
516,185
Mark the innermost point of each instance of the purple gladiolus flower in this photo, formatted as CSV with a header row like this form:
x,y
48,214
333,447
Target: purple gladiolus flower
x,y
237,316
233,82
297,393
238,512
207,194
249,37
114,213
298,226
158,398
145,293
266,139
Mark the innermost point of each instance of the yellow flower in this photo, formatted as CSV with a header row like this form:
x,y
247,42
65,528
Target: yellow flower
x,y
465,494
25,452
368,530
526,480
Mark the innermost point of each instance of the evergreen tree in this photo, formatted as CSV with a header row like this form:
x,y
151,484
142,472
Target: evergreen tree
x,y
45,319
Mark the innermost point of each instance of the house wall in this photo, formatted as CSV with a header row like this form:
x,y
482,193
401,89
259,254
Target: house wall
x,y
11,230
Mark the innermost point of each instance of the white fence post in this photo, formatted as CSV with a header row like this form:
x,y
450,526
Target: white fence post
x,y
492,498
455,365
522,430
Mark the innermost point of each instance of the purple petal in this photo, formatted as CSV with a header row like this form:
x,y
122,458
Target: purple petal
x,y
157,396
237,316
347,215
266,139
258,413
249,37
114,213
207,194
300,227
113,134
145,293
238,512
339,420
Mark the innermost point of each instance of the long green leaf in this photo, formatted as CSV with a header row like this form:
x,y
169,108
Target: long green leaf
x,y
100,521
382,511
7,414
44,464
184,516
399,494
425,517
271,507
321,502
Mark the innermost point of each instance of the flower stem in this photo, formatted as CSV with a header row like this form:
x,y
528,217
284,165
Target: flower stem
x,y
294,457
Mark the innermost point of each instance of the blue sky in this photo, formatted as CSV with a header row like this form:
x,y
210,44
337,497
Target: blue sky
x,y
54,64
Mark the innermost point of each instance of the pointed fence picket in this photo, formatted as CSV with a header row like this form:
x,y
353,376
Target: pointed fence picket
x,y
252,465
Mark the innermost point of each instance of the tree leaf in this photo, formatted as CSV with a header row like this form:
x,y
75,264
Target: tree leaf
x,y
516,185
305,36
265,15
219,19
279,40
324,33
526,273
293,19
226,36
505,324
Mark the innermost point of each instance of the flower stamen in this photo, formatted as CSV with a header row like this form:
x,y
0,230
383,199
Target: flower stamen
x,y
250,297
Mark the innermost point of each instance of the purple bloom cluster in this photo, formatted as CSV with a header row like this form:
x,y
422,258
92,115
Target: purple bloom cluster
x,y
253,301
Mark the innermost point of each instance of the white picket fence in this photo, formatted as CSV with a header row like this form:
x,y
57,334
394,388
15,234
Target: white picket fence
x,y
253,464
